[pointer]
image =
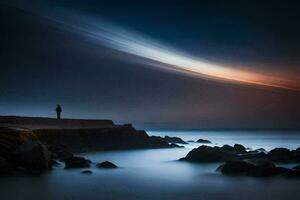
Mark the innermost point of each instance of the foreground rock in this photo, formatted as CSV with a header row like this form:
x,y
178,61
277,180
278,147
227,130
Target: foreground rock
x,y
33,155
210,154
5,167
203,141
87,172
297,167
238,152
176,140
263,168
107,165
19,148
77,162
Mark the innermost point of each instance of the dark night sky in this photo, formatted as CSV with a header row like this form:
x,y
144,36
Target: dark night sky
x,y
42,64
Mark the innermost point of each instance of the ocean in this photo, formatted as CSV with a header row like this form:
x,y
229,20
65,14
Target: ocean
x,y
157,174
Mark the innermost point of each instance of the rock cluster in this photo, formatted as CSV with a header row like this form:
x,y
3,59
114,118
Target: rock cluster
x,y
252,163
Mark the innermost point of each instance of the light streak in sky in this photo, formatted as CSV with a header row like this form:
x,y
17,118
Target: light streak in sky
x,y
112,36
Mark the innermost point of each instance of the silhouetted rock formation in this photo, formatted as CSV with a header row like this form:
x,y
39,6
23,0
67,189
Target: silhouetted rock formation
x,y
211,154
76,162
33,155
297,167
20,148
280,155
34,149
239,148
293,174
228,153
176,140
52,123
98,139
261,168
107,165
88,172
204,141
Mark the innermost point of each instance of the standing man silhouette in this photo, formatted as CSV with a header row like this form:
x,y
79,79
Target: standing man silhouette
x,y
58,111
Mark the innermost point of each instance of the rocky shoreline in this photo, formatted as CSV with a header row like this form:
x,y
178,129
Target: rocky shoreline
x,y
240,161
34,144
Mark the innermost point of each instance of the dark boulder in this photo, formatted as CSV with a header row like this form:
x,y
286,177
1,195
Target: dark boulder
x,y
297,167
76,162
107,165
87,172
203,141
293,174
33,155
174,140
209,154
5,167
258,168
235,167
280,155
239,148
296,155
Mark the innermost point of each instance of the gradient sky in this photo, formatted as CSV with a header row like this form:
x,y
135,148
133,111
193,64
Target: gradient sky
x,y
127,61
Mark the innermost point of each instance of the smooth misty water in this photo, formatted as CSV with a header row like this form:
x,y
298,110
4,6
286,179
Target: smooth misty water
x,y
155,174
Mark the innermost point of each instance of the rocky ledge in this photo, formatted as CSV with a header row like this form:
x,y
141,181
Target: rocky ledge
x,y
33,147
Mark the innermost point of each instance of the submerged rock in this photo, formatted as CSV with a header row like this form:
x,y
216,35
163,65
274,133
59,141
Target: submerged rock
x,y
257,168
203,141
176,145
107,164
77,162
87,172
174,140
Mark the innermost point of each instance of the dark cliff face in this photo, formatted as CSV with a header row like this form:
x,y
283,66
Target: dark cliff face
x,y
98,139
67,136
34,149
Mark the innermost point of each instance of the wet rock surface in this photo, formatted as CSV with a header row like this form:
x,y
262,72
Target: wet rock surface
x,y
107,165
204,141
174,140
77,162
